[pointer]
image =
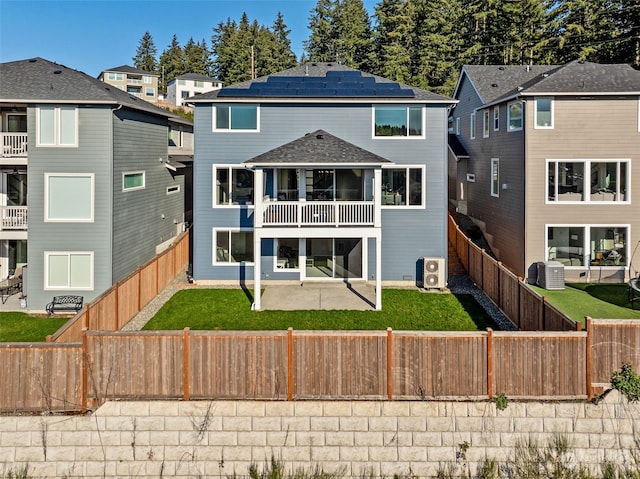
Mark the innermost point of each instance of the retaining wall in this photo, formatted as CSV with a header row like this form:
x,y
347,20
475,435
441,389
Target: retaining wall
x,y
222,438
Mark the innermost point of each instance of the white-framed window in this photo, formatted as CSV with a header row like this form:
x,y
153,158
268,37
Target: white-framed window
x,y
133,180
113,76
198,84
57,125
287,255
232,246
398,121
485,124
68,270
172,190
148,79
69,197
588,245
543,107
588,181
514,116
495,177
150,92
185,94
458,125
236,118
472,126
496,118
399,180
182,82
233,185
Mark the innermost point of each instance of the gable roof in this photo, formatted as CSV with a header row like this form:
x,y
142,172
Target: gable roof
x,y
321,81
194,76
129,69
40,81
318,147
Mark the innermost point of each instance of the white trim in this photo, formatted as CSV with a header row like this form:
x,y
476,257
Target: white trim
x,y
535,112
214,246
214,110
56,127
472,126
496,118
47,254
495,163
230,168
131,173
486,118
458,125
47,219
509,128
423,187
423,119
172,190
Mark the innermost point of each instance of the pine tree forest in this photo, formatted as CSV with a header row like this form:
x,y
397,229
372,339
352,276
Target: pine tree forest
x,y
423,43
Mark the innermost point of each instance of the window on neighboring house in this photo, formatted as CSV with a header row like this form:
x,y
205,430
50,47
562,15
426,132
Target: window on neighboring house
x,y
450,124
496,118
69,197
172,190
514,116
149,92
398,121
495,177
544,112
396,182
232,247
236,117
147,79
185,94
198,84
485,124
57,126
588,245
133,180
457,125
472,126
115,76
287,256
608,181
68,270
233,186
182,82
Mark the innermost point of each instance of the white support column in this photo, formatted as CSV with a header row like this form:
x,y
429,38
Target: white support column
x,y
379,270
377,197
258,197
257,270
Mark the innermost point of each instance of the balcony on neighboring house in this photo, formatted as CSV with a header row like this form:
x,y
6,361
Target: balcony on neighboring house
x,y
134,81
13,218
14,145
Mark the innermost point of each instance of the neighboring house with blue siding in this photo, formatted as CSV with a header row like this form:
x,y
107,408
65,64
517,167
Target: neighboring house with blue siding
x,y
103,194
546,159
320,172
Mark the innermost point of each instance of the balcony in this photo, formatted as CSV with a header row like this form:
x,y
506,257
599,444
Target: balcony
x,y
14,145
13,218
317,213
134,81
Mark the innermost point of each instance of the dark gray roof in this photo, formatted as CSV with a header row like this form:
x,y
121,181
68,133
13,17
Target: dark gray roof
x,y
195,76
318,147
40,81
320,69
129,69
456,147
494,81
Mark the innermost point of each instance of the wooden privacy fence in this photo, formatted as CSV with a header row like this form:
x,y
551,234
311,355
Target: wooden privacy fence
x,y
120,303
298,365
525,308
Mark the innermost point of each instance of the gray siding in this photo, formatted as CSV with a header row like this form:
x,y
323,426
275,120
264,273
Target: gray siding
x,y
146,217
406,235
93,155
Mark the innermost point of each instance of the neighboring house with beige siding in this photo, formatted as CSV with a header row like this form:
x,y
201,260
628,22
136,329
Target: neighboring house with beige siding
x,y
545,159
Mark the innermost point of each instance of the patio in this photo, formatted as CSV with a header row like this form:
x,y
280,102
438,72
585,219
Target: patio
x,y
319,295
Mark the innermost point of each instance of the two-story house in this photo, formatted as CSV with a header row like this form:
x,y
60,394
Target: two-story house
x,y
188,85
545,159
103,195
136,82
320,172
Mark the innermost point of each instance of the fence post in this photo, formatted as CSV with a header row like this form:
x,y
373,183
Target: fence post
x,y
589,359
186,345
86,316
84,372
520,286
290,364
117,307
543,315
490,362
389,364
157,276
499,273
139,289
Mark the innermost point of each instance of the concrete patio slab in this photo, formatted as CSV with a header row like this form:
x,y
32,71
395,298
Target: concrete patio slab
x,y
315,295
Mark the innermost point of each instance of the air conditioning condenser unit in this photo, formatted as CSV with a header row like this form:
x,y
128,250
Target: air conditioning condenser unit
x,y
550,275
433,273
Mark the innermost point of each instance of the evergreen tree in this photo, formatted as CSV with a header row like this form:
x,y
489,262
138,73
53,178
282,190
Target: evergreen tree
x,y
627,19
145,58
354,45
394,39
321,45
172,63
196,57
283,54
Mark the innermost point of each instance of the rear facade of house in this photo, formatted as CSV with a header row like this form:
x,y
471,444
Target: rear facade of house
x,y
322,173
552,165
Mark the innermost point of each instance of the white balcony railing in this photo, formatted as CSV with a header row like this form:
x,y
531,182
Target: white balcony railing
x,y
134,81
13,144
13,217
318,213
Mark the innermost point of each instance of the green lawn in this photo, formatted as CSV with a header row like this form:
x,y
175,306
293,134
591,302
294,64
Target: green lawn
x,y
596,300
229,309
20,327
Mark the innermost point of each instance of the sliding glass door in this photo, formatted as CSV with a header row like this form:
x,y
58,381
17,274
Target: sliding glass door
x,y
339,258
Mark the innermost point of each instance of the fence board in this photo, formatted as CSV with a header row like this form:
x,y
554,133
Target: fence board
x,y
510,295
556,320
165,269
148,282
491,278
71,331
128,298
40,377
540,364
615,342
434,365
530,310
475,264
103,312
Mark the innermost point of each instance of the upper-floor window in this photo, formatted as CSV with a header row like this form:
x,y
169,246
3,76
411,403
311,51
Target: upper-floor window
x,y
69,197
149,92
147,79
133,180
402,186
588,180
495,177
198,84
57,126
457,125
233,186
485,124
398,121
113,76
236,117
182,82
544,112
496,118
472,125
514,116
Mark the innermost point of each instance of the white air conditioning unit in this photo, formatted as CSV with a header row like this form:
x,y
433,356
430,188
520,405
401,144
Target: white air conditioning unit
x,y
433,274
